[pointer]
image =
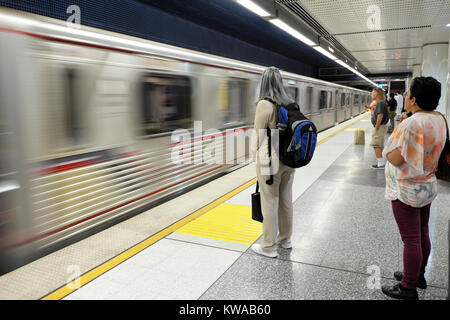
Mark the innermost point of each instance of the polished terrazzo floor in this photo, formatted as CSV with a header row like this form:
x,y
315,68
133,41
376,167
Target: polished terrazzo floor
x,y
343,225
344,230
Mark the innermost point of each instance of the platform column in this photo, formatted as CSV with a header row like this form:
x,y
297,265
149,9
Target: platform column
x,y
435,64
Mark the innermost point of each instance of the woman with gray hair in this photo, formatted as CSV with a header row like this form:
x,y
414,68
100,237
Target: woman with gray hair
x,y
276,199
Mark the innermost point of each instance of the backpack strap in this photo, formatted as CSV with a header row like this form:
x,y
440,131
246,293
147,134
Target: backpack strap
x,y
270,100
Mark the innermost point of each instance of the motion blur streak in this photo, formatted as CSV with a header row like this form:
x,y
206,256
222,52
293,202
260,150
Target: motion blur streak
x,y
86,118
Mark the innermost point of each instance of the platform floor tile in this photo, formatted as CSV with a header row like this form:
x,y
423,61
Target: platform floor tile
x,y
168,270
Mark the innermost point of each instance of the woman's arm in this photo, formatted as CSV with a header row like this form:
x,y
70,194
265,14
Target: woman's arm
x,y
395,157
263,112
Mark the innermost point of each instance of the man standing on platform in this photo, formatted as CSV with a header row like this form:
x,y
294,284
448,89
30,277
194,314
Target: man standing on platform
x,y
380,118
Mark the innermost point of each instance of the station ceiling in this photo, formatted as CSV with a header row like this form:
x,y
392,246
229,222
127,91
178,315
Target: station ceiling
x,y
382,36
386,36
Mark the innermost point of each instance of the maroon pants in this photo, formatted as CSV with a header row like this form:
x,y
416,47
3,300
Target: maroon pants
x,y
413,226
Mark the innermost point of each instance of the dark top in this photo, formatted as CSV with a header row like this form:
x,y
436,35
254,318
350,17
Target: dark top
x,y
381,108
392,105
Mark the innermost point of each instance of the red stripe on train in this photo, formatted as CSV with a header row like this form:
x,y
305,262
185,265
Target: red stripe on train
x,y
66,166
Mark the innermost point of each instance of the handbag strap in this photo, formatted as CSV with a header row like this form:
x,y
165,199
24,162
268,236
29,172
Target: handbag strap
x,y
446,125
269,135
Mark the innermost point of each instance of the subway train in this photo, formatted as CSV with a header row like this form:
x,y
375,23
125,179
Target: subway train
x,y
87,119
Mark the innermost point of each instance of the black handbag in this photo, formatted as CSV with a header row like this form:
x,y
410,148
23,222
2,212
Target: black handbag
x,y
256,205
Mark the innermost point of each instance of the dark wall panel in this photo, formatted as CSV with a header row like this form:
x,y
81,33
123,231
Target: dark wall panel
x,y
139,19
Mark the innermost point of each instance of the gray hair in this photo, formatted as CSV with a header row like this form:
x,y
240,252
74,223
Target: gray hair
x,y
272,87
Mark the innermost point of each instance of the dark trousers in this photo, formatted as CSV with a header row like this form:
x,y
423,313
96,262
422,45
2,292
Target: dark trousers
x,y
413,226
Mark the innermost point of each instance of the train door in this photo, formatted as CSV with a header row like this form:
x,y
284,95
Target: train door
x,y
348,105
306,100
340,107
15,212
356,104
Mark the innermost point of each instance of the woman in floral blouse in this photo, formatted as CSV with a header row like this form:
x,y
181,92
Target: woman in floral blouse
x,y
413,152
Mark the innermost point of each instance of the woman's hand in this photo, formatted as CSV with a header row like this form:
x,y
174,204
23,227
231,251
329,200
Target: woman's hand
x,y
404,116
395,157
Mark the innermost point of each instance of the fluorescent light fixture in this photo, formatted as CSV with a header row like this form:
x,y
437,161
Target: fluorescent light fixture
x,y
342,63
253,7
325,52
448,25
283,26
331,49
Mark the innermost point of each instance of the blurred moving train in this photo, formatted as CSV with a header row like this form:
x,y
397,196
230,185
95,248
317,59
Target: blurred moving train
x,y
86,118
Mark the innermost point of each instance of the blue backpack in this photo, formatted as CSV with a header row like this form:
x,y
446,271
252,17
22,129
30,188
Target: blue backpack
x,y
298,136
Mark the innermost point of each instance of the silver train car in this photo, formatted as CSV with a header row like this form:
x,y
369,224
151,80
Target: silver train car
x,y
86,123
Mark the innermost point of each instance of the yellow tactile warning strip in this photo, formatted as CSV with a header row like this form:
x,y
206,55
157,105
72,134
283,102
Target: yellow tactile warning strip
x,y
226,222
354,129
108,265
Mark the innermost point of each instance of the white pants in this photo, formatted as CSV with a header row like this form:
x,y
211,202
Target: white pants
x,y
276,206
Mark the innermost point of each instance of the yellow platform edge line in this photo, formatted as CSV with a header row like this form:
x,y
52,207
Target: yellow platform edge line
x,y
115,261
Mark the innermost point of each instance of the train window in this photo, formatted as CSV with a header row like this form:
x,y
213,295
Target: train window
x,y
342,99
330,99
347,101
166,104
72,112
363,100
336,99
292,92
323,101
356,100
305,102
232,102
5,134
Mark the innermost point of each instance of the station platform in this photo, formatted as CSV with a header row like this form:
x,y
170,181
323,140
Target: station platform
x,y
197,246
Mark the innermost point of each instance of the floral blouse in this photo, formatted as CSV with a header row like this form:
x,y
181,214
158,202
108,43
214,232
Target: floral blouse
x,y
420,139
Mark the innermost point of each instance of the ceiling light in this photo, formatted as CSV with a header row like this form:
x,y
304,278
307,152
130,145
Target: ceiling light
x,y
342,63
448,25
325,52
283,26
253,7
331,49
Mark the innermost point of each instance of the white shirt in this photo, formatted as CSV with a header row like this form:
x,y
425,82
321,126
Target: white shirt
x,y
399,99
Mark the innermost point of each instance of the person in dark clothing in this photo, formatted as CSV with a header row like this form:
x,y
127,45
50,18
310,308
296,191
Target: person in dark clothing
x,y
392,104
